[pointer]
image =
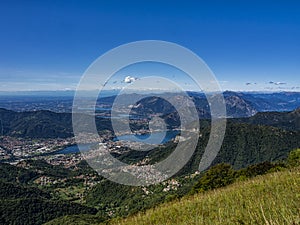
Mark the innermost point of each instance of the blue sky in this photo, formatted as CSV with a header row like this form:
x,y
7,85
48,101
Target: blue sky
x,y
249,45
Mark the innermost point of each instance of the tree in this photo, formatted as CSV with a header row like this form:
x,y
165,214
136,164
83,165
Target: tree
x,y
217,176
294,158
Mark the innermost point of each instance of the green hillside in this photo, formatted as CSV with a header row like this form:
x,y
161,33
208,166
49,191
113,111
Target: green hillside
x,y
243,145
269,199
264,193
42,124
249,149
285,120
23,202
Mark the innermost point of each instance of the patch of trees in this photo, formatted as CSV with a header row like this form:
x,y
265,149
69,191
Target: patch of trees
x,y
223,174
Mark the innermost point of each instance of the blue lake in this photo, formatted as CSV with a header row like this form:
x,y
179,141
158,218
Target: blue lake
x,y
121,116
74,148
156,138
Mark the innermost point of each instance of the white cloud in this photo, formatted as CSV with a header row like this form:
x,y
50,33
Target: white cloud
x,y
129,79
277,83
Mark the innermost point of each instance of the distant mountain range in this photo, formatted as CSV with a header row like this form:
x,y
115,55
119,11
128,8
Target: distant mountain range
x,y
273,109
262,102
238,104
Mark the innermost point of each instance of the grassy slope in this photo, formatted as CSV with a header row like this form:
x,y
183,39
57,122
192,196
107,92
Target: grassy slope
x,y
269,199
